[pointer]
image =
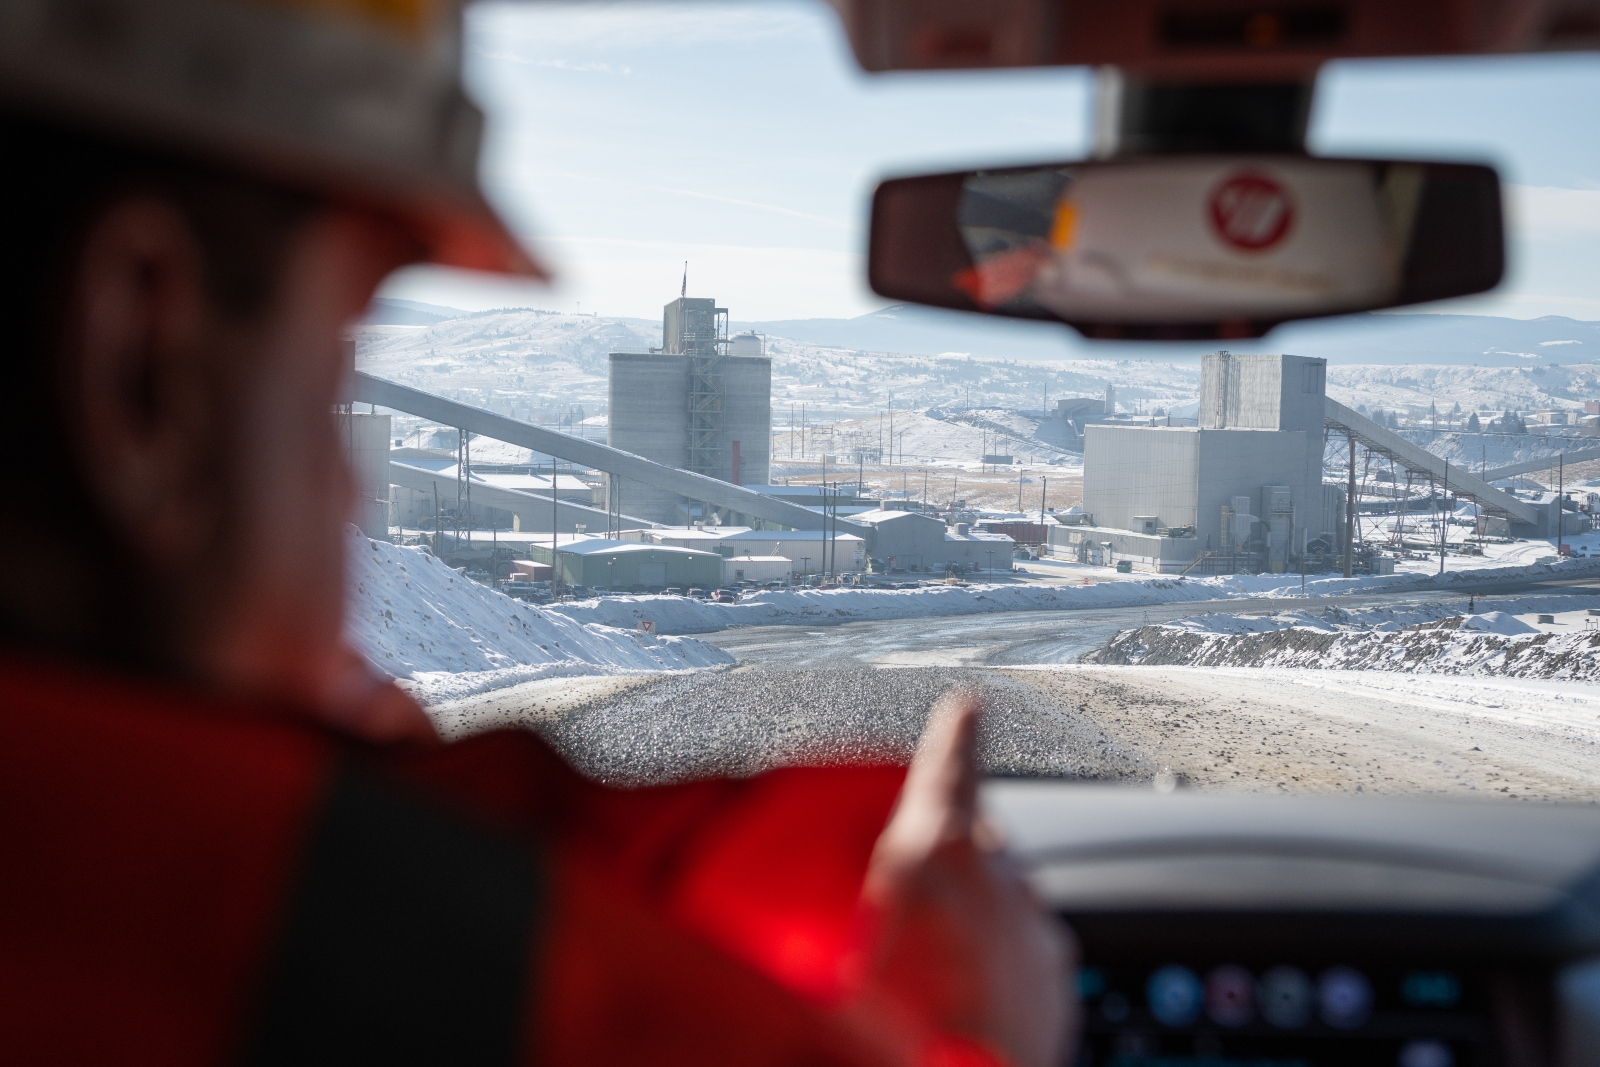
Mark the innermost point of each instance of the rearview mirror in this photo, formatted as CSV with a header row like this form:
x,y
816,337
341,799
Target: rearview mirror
x,y
1176,247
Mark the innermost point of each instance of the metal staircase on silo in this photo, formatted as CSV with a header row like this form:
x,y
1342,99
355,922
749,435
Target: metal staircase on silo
x,y
703,338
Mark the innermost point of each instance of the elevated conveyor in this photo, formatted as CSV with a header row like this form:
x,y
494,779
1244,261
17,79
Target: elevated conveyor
x,y
592,454
1415,458
1494,474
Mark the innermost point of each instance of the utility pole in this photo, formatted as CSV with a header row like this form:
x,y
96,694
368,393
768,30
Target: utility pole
x,y
1044,490
1561,492
1350,509
555,524
1444,516
824,517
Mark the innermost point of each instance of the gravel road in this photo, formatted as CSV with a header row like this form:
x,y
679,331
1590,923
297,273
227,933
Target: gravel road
x,y
742,721
861,692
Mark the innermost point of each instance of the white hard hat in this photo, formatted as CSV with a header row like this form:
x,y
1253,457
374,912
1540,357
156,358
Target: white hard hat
x,y
358,99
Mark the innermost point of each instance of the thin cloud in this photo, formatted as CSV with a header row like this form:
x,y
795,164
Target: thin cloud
x,y
695,193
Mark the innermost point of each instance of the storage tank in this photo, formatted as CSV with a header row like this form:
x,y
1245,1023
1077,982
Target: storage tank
x,y
748,344
366,441
747,420
649,416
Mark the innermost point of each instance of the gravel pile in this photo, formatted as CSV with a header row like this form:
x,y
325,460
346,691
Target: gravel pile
x,y
744,721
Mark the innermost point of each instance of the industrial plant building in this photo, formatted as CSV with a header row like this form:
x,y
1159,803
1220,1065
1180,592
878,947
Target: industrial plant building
x,y
1246,482
702,403
603,563
803,548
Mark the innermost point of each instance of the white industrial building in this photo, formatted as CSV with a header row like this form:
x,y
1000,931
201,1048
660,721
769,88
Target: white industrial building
x,y
803,548
417,505
702,403
910,541
1245,485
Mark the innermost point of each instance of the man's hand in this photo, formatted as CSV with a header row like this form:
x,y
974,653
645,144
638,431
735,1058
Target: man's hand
x,y
963,955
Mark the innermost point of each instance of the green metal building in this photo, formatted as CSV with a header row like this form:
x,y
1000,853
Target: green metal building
x,y
601,563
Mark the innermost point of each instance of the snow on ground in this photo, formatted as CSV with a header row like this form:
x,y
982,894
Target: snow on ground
x,y
687,615
1561,706
1529,637
446,637
1495,615
960,439
1473,388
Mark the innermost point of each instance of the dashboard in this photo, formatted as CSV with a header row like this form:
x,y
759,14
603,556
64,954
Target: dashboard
x,y
1236,930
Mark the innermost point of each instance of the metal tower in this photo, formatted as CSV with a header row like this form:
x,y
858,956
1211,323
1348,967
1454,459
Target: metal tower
x,y
697,328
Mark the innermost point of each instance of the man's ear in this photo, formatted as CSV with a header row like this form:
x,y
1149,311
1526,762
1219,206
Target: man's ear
x,y
136,395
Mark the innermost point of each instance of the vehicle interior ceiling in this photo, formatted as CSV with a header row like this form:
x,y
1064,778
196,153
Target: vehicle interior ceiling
x,y
1262,928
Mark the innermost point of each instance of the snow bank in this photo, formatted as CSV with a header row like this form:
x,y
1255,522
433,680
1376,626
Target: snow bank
x,y
1424,639
1497,615
446,637
808,607
1497,622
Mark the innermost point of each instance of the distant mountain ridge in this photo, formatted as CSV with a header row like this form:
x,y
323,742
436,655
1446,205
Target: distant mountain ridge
x,y
1457,340
1484,340
388,312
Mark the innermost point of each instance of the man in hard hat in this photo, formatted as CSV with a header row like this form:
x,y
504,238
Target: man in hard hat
x,y
222,836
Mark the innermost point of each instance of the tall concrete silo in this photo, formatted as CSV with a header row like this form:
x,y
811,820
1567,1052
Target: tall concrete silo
x,y
691,405
366,442
649,416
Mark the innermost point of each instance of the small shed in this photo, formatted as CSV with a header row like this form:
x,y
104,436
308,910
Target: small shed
x,y
756,569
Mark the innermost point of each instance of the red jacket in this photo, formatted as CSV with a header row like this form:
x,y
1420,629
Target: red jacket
x,y
185,880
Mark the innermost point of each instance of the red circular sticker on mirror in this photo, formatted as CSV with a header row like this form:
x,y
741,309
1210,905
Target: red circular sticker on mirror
x,y
1251,212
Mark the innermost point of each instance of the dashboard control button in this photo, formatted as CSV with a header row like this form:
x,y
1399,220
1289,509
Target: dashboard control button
x,y
1091,982
1426,1054
1230,995
1346,997
1175,995
1287,997
1430,989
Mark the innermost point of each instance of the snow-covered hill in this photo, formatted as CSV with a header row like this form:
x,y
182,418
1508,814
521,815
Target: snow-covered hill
x,y
446,637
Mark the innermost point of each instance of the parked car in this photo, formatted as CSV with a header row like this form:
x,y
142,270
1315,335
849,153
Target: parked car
x,y
726,596
696,591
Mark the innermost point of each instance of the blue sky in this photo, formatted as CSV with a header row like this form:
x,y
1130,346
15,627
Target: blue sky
x,y
626,138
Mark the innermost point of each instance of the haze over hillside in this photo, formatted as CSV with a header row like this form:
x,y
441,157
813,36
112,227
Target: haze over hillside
x,y
532,359
1480,340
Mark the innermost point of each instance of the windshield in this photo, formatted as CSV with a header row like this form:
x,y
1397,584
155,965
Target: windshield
x,y
721,507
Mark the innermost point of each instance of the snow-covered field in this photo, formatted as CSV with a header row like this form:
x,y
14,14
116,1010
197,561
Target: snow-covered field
x,y
446,637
